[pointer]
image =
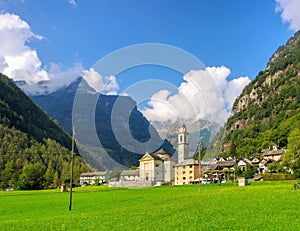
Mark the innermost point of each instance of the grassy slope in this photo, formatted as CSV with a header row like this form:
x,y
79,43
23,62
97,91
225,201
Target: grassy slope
x,y
260,206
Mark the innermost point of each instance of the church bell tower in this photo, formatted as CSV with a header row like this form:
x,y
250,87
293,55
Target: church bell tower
x,y
182,144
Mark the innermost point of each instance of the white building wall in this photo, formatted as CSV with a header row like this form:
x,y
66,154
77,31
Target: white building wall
x,y
169,170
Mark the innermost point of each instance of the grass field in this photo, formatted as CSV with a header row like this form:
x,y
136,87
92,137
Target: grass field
x,y
259,206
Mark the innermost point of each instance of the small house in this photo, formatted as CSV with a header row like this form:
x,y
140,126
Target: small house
x,y
242,164
88,178
255,160
275,154
130,175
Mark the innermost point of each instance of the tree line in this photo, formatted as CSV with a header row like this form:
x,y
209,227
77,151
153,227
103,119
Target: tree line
x,y
28,164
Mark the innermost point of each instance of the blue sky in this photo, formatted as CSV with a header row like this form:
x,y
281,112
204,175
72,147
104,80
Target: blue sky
x,y
239,34
69,36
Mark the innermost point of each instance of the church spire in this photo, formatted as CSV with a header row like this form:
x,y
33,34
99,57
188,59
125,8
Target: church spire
x,y
182,144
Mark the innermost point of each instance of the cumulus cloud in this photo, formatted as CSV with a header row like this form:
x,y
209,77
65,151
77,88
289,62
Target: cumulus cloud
x,y
22,63
106,85
289,10
204,94
18,60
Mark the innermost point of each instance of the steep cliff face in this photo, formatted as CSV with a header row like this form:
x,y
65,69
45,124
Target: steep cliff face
x,y
268,107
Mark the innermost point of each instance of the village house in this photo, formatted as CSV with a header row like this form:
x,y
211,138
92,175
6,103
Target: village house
x,y
225,165
255,161
187,172
242,164
274,154
207,164
88,178
130,175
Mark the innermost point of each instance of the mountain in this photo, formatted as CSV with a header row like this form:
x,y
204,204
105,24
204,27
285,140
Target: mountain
x,y
205,134
59,106
268,109
34,150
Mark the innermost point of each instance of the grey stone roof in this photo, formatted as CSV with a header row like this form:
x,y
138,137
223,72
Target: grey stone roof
x,y
187,162
273,152
130,172
225,163
85,174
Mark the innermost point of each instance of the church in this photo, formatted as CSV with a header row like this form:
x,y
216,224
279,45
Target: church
x,y
157,168
160,167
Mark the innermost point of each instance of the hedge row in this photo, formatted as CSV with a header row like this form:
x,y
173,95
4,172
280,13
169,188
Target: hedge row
x,y
277,176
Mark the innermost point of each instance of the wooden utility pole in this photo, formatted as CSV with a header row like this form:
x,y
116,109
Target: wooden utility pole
x,y
199,162
72,164
234,172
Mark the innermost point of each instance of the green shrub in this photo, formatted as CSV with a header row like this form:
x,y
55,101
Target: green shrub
x,y
278,176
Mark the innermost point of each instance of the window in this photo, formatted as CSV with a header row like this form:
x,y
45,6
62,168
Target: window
x,y
156,165
191,166
183,178
191,172
183,167
191,178
183,172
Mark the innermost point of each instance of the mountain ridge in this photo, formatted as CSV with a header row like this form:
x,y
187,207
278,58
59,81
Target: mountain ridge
x,y
268,107
59,106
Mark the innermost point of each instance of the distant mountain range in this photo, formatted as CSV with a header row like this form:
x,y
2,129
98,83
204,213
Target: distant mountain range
x,y
59,106
205,134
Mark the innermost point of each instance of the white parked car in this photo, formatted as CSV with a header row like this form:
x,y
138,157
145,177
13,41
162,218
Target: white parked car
x,y
206,181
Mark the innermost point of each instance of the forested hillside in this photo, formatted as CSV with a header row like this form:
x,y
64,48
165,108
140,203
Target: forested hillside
x,y
268,110
34,150
17,110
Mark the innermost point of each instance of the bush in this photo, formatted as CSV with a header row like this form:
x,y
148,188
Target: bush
x,y
277,176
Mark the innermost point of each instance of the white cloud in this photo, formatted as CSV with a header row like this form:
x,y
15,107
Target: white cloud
x,y
20,62
62,76
289,10
106,85
205,94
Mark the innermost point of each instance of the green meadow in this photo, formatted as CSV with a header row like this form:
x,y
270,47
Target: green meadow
x,y
259,206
